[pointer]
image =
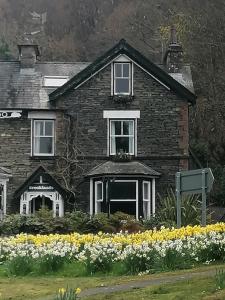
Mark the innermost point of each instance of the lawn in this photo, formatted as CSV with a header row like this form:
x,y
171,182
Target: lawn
x,y
185,290
28,287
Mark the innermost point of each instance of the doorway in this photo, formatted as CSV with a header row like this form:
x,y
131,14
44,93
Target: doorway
x,y
40,202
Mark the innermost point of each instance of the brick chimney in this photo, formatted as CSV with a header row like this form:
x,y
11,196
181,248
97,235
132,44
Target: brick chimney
x,y
173,58
28,53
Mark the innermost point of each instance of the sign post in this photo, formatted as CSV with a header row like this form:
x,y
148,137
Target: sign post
x,y
193,182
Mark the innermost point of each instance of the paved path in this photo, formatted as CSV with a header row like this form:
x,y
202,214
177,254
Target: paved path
x,y
136,284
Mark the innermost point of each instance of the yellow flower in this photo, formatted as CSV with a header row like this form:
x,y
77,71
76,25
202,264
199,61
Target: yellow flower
x,y
62,291
77,291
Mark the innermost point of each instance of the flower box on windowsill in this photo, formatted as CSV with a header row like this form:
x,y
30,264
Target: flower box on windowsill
x,y
122,157
122,98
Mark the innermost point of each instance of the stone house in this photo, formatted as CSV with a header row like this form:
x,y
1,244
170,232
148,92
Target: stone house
x,y
102,137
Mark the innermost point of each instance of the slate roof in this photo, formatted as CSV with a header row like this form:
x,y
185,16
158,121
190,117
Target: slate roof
x,y
122,168
40,171
23,88
124,48
4,172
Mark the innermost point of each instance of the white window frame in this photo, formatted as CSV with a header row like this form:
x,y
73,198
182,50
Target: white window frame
x,y
98,201
3,183
33,137
147,200
128,200
133,135
130,77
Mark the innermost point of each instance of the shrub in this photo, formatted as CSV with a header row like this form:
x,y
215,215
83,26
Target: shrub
x,y
19,266
190,210
48,264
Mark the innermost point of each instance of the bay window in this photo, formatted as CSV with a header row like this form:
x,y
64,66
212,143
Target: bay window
x,y
121,137
43,137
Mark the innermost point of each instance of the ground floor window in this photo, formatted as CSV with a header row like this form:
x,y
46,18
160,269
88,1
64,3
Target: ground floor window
x,y
131,196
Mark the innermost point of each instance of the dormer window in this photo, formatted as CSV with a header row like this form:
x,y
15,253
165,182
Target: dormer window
x,y
122,78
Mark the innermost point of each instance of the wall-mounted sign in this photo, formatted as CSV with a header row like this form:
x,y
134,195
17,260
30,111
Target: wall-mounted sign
x,y
4,114
41,187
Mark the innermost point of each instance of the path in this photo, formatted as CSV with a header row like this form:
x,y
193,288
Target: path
x,y
136,284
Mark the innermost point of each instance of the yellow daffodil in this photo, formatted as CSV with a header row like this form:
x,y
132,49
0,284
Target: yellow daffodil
x,y
77,291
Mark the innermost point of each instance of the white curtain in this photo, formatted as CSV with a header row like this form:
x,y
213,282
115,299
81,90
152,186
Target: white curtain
x,y
113,139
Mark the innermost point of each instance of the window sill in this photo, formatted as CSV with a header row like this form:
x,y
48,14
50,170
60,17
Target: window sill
x,y
122,98
44,157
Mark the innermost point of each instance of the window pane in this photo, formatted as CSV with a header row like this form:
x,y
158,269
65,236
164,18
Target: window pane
x,y
146,209
146,191
127,207
126,70
118,70
122,144
113,144
38,128
127,127
99,191
122,85
123,190
45,145
37,145
117,126
49,128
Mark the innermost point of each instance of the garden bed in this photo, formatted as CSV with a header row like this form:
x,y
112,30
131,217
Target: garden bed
x,y
121,254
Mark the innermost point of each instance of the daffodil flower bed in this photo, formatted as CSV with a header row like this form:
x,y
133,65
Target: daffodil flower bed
x,y
139,252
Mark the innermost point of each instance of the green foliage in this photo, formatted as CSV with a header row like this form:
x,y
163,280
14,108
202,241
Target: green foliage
x,y
19,266
190,210
43,222
67,294
220,279
48,264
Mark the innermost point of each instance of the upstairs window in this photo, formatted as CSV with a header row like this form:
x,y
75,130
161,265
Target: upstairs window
x,y
121,137
43,137
122,78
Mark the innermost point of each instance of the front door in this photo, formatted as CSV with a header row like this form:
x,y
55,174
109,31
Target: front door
x,y
40,202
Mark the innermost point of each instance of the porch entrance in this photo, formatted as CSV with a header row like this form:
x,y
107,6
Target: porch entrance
x,y
40,202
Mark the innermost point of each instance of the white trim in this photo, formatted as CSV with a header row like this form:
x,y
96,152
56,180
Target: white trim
x,y
96,200
54,196
49,115
122,135
153,196
3,182
147,200
91,196
167,87
129,78
112,83
121,114
135,137
43,136
108,137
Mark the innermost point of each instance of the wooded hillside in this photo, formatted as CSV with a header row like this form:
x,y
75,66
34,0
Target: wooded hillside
x,y
81,30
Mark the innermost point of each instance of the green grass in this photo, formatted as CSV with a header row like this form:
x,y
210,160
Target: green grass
x,y
34,287
204,289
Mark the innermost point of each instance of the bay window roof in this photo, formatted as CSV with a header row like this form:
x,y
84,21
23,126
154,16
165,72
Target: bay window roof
x,y
111,168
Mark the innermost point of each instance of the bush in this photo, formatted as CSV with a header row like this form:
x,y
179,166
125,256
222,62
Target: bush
x,y
20,266
190,210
